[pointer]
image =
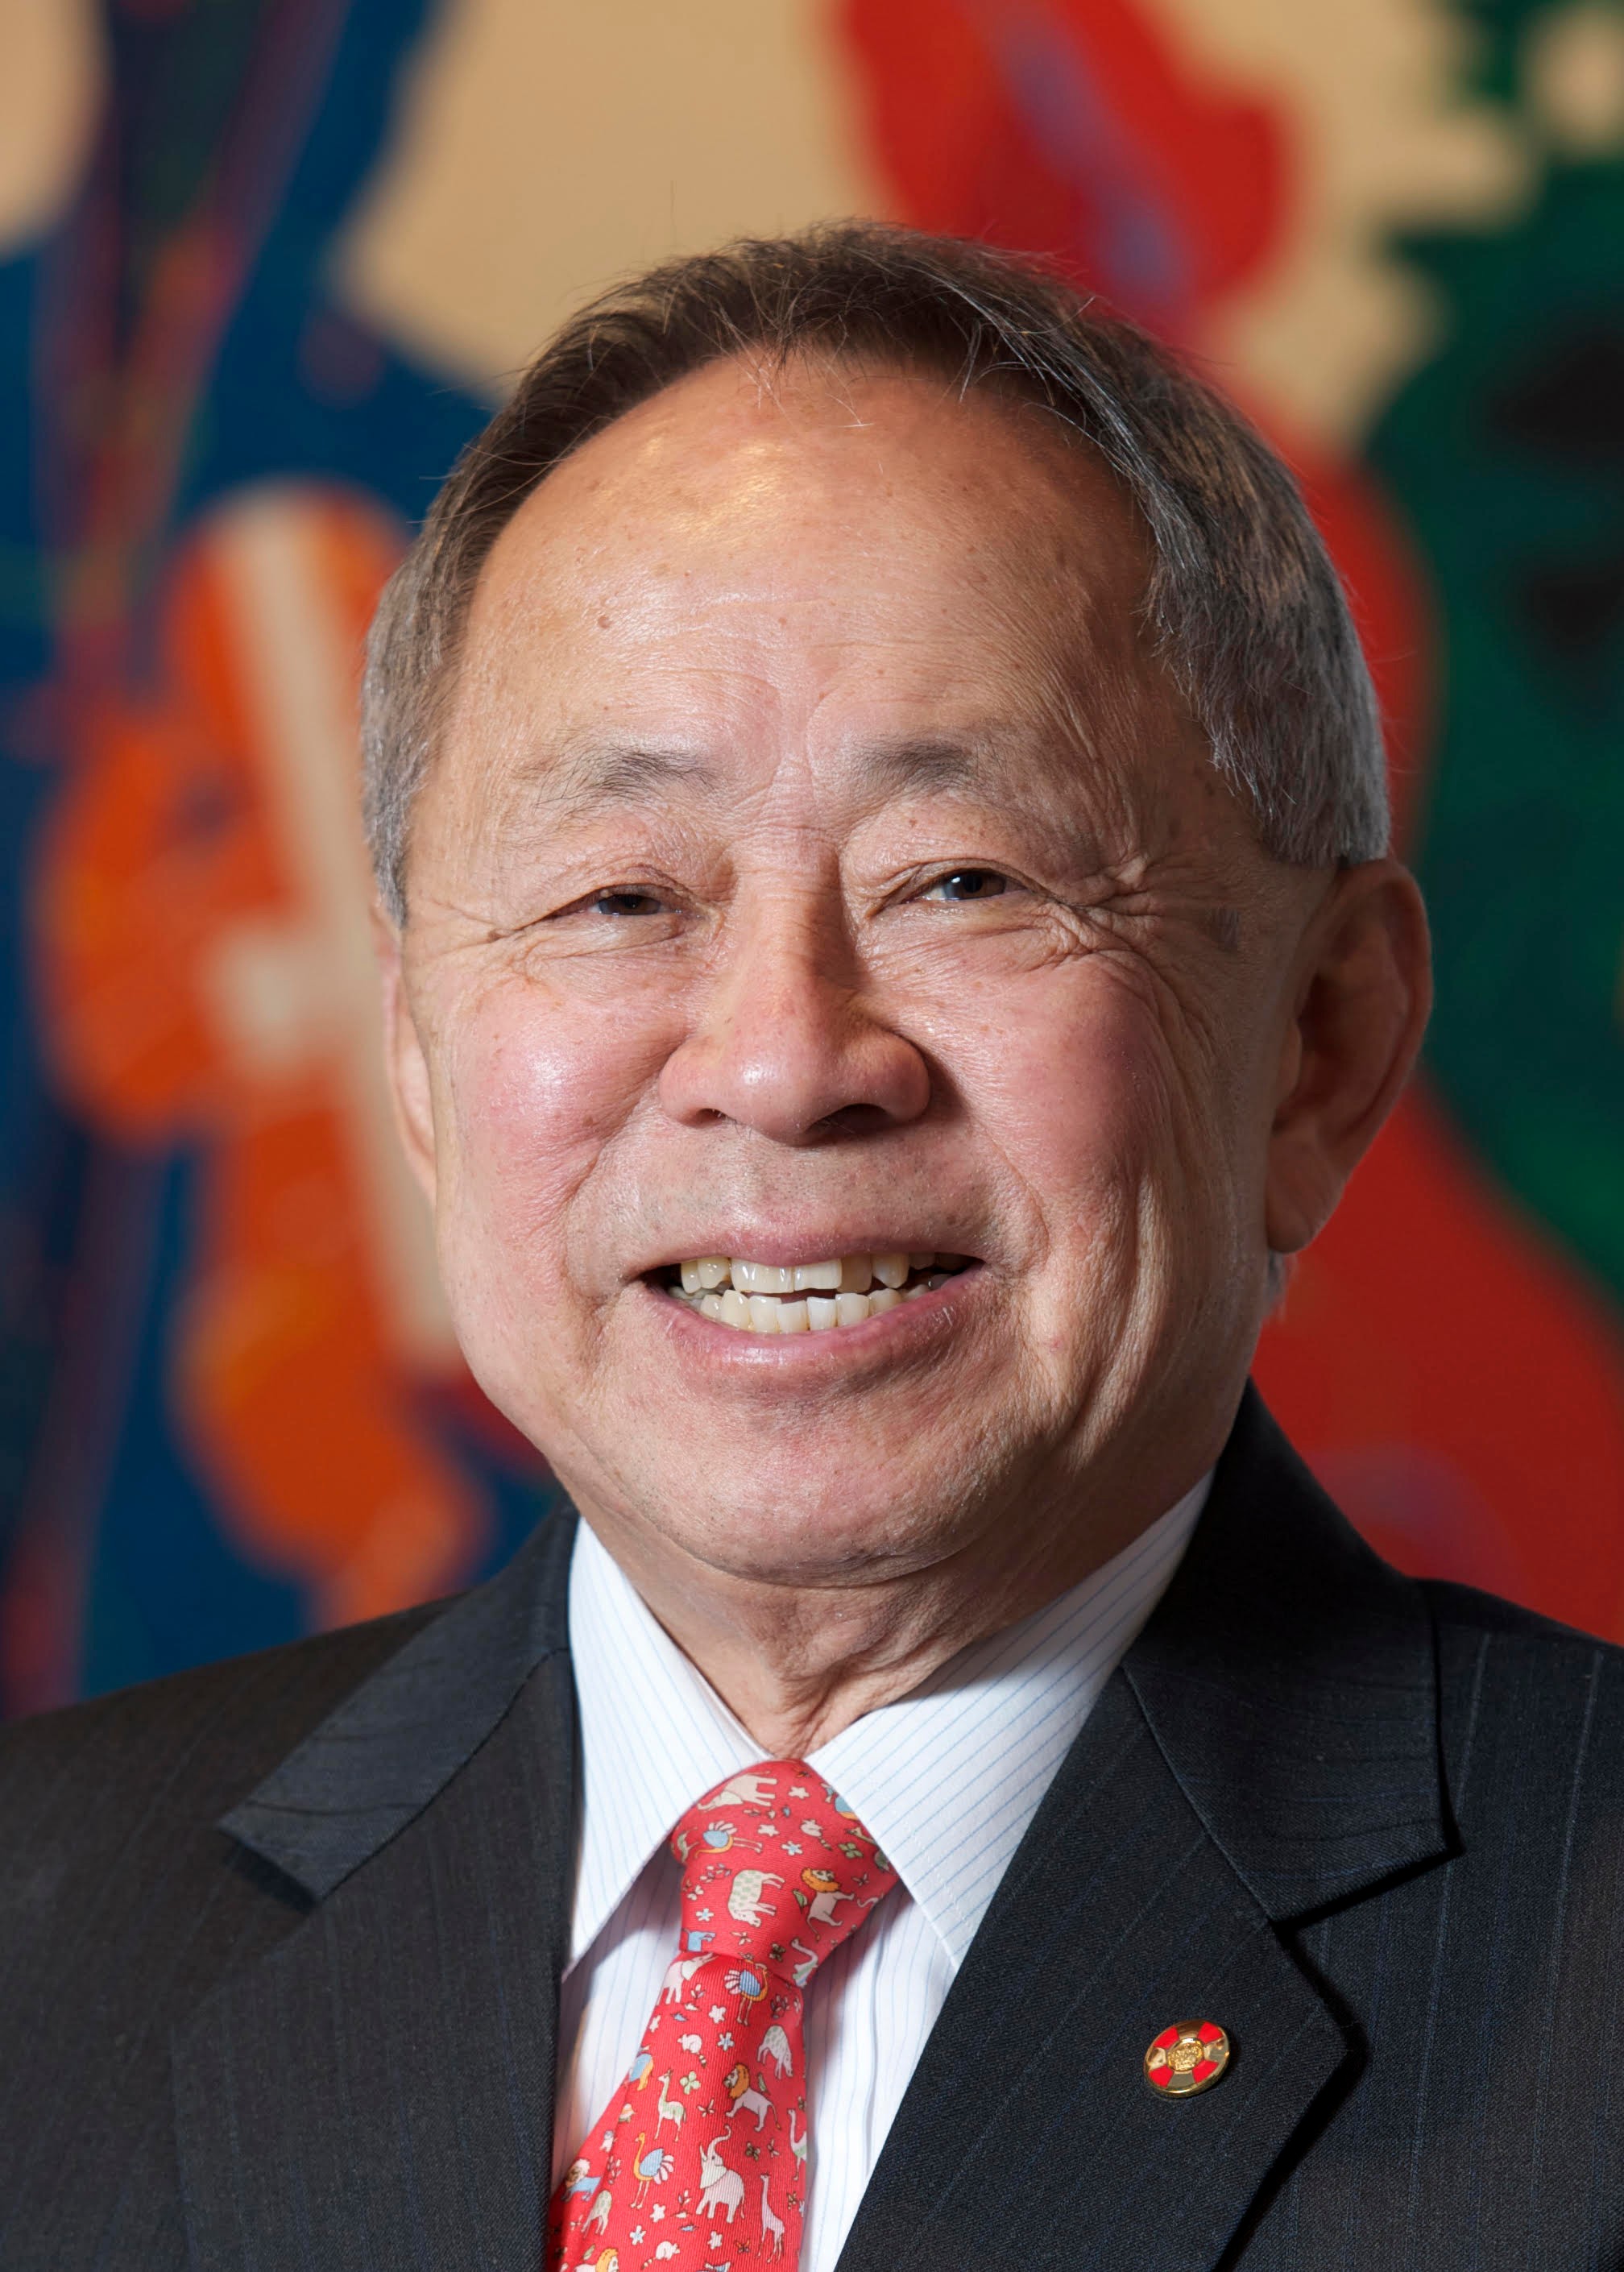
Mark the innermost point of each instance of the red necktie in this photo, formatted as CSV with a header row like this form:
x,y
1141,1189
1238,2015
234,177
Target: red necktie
x,y
697,2162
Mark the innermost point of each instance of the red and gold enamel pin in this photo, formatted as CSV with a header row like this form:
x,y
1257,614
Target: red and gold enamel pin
x,y
1186,2059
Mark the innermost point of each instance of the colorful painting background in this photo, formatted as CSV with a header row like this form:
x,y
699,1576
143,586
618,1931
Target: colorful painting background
x,y
263,266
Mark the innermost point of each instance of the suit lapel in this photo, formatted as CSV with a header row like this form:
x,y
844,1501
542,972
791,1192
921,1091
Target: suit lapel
x,y
1268,1750
378,2092
1029,2136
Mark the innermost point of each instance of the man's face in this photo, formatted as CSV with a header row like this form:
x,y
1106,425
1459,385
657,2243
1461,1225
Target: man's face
x,y
818,865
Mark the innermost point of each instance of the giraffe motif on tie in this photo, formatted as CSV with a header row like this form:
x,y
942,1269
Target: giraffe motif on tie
x,y
696,2163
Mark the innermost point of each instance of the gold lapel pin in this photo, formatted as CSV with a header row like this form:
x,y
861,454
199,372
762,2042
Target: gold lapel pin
x,y
1186,2059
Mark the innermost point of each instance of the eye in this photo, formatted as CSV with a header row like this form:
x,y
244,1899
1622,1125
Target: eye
x,y
968,884
623,903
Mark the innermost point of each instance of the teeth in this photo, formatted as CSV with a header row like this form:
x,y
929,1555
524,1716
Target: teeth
x,y
772,1297
763,1278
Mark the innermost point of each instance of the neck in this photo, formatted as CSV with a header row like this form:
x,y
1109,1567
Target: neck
x,y
796,1662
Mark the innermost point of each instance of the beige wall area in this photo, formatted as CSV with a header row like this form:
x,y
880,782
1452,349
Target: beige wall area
x,y
545,148
51,81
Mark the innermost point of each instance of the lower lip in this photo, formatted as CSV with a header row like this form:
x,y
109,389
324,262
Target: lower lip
x,y
894,1333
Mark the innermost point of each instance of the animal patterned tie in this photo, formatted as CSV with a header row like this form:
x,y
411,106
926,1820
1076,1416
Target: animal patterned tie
x,y
697,2163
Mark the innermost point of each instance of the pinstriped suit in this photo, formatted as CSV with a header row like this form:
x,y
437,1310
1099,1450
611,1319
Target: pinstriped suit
x,y
279,1945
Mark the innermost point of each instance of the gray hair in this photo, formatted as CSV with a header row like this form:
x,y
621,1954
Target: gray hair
x,y
1242,601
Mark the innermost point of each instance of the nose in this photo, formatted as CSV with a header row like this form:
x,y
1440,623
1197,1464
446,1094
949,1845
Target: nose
x,y
785,1042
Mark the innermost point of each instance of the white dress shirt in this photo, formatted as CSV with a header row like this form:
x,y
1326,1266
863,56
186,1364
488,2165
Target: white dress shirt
x,y
946,1781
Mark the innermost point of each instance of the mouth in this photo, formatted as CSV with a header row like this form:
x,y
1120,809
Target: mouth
x,y
802,1297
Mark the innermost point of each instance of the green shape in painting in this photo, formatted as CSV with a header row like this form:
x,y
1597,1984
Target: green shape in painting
x,y
1505,456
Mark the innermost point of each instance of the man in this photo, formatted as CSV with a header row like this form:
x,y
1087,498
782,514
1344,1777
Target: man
x,y
889,942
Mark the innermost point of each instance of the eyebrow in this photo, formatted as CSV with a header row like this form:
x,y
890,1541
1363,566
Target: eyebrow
x,y
613,773
632,773
937,765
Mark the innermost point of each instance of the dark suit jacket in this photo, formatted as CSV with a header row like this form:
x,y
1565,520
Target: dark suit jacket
x,y
281,1943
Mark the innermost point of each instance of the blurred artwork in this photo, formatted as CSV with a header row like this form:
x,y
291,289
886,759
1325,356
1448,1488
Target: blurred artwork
x,y
264,264
205,976
240,1410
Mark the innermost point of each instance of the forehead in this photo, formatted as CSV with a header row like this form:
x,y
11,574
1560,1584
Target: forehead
x,y
807,596
811,521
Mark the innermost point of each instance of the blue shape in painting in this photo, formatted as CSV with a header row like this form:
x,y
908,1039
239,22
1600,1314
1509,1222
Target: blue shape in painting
x,y
278,114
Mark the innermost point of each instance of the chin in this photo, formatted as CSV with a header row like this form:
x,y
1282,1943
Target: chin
x,y
840,1531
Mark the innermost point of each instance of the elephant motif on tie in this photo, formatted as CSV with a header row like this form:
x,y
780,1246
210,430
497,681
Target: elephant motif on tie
x,y
720,2187
679,1972
747,1789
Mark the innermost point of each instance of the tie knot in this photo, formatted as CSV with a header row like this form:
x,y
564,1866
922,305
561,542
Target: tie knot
x,y
777,1872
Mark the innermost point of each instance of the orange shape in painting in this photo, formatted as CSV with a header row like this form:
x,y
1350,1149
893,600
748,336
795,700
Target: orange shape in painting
x,y
202,922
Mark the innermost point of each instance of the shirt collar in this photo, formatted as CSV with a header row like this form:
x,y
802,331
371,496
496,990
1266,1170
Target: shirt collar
x,y
654,1735
946,1780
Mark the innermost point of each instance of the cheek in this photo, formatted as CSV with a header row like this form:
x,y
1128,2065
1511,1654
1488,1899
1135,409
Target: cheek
x,y
1075,1086
533,1090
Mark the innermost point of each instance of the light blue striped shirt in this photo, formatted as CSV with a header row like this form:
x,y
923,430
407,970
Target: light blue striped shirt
x,y
946,1780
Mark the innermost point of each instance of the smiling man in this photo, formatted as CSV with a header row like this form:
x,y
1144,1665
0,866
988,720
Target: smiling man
x,y
890,943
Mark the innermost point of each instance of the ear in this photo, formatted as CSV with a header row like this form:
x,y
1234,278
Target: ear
x,y
1363,995
403,1054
